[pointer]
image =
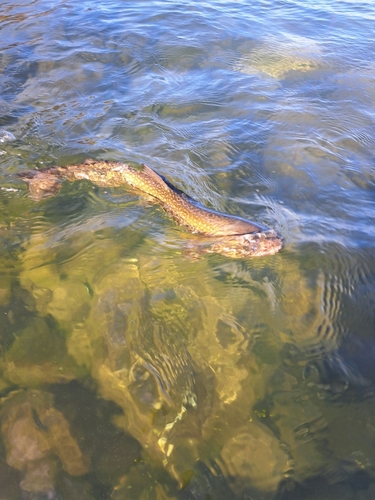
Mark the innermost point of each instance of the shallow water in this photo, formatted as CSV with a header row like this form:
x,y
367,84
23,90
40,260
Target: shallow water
x,y
130,369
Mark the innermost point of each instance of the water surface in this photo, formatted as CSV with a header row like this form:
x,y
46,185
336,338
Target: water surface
x,y
130,369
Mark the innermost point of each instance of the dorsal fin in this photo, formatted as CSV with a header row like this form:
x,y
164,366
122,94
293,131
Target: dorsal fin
x,y
153,176
161,180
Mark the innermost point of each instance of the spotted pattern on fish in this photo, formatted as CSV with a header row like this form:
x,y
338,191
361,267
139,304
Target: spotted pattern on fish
x,y
244,238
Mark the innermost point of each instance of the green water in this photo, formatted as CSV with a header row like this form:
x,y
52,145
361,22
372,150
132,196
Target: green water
x,y
130,369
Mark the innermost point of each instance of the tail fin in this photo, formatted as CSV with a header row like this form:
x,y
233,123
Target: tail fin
x,y
42,184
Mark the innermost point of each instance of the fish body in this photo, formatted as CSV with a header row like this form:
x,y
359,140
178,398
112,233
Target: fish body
x,y
234,236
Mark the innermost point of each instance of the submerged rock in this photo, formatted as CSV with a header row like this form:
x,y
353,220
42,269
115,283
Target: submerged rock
x,y
177,393
279,57
38,356
138,364
253,458
34,433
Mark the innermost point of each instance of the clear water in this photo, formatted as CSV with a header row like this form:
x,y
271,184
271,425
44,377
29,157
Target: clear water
x,y
129,370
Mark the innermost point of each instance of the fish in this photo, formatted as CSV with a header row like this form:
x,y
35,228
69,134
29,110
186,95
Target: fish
x,y
226,234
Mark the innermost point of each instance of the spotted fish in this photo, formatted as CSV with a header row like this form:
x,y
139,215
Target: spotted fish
x,y
226,234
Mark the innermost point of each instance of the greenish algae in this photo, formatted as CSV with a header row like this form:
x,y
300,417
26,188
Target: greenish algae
x,y
130,321
38,356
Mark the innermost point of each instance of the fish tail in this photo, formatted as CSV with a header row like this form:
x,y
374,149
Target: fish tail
x,y
41,183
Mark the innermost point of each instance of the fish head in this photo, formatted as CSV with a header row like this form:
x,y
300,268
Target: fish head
x,y
248,245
